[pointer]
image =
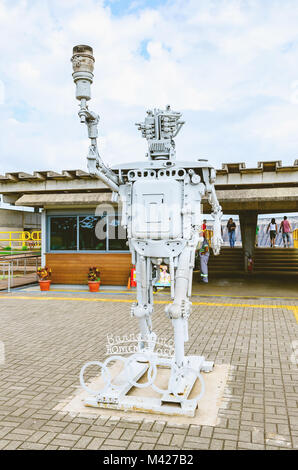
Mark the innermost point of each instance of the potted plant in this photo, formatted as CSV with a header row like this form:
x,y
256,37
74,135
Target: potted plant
x,y
93,279
44,275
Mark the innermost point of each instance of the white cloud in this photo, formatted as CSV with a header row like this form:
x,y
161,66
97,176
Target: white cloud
x,y
2,92
229,65
27,71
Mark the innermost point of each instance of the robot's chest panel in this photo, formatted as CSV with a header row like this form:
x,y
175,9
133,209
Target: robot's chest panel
x,y
156,209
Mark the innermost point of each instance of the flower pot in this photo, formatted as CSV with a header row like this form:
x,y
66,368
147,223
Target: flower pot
x,y
45,285
93,286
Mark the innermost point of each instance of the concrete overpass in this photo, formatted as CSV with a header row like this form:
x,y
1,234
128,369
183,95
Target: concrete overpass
x,y
270,187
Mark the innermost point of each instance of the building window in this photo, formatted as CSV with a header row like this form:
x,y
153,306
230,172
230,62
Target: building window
x,y
63,232
117,234
93,233
86,233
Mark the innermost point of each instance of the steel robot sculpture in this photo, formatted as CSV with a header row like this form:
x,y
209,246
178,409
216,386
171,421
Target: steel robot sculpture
x,y
161,210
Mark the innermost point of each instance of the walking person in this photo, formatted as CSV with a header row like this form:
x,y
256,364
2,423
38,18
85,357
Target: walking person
x,y
286,229
272,227
257,235
231,226
204,228
204,258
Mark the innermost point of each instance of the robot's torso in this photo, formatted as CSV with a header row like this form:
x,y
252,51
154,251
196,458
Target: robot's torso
x,y
161,204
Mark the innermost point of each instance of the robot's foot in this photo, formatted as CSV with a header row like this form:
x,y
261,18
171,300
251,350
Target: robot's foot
x,y
179,390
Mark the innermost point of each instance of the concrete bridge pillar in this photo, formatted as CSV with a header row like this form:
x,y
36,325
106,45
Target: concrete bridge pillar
x,y
248,225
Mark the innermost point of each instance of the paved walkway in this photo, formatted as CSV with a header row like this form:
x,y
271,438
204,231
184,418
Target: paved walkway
x,y
47,337
259,286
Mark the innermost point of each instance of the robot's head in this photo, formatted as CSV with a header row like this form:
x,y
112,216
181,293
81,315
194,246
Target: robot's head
x,y
159,128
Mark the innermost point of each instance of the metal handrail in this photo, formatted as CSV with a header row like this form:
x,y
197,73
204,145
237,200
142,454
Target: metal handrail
x,y
7,261
9,265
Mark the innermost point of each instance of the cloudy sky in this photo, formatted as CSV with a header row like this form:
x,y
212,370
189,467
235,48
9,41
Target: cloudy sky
x,y
231,67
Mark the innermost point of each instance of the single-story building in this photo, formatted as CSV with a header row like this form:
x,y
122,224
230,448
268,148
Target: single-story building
x,y
79,224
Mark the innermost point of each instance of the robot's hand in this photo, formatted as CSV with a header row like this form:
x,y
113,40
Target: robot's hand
x,y
82,114
91,120
86,115
216,243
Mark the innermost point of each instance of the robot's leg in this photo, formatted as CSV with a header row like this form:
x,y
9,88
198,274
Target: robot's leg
x,y
179,310
182,378
144,307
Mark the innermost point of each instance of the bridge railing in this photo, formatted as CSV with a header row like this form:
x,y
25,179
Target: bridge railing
x,y
12,264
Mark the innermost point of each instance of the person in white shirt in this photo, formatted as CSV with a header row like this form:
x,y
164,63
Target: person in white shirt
x,y
272,226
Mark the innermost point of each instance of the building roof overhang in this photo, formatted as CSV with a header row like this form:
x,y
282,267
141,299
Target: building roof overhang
x,y
62,199
235,184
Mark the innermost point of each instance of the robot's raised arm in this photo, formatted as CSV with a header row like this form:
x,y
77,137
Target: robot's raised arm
x,y
209,177
83,65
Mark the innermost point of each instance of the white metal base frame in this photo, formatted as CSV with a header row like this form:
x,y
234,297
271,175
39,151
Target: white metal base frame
x,y
173,401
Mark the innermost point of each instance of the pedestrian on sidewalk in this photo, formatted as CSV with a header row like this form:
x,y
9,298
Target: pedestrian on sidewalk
x,y
257,235
272,227
204,229
286,229
204,258
231,226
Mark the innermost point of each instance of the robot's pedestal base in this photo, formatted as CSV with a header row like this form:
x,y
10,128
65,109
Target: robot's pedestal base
x,y
119,393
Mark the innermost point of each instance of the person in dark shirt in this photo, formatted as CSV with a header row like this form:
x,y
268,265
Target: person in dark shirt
x,y
257,235
231,226
204,258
